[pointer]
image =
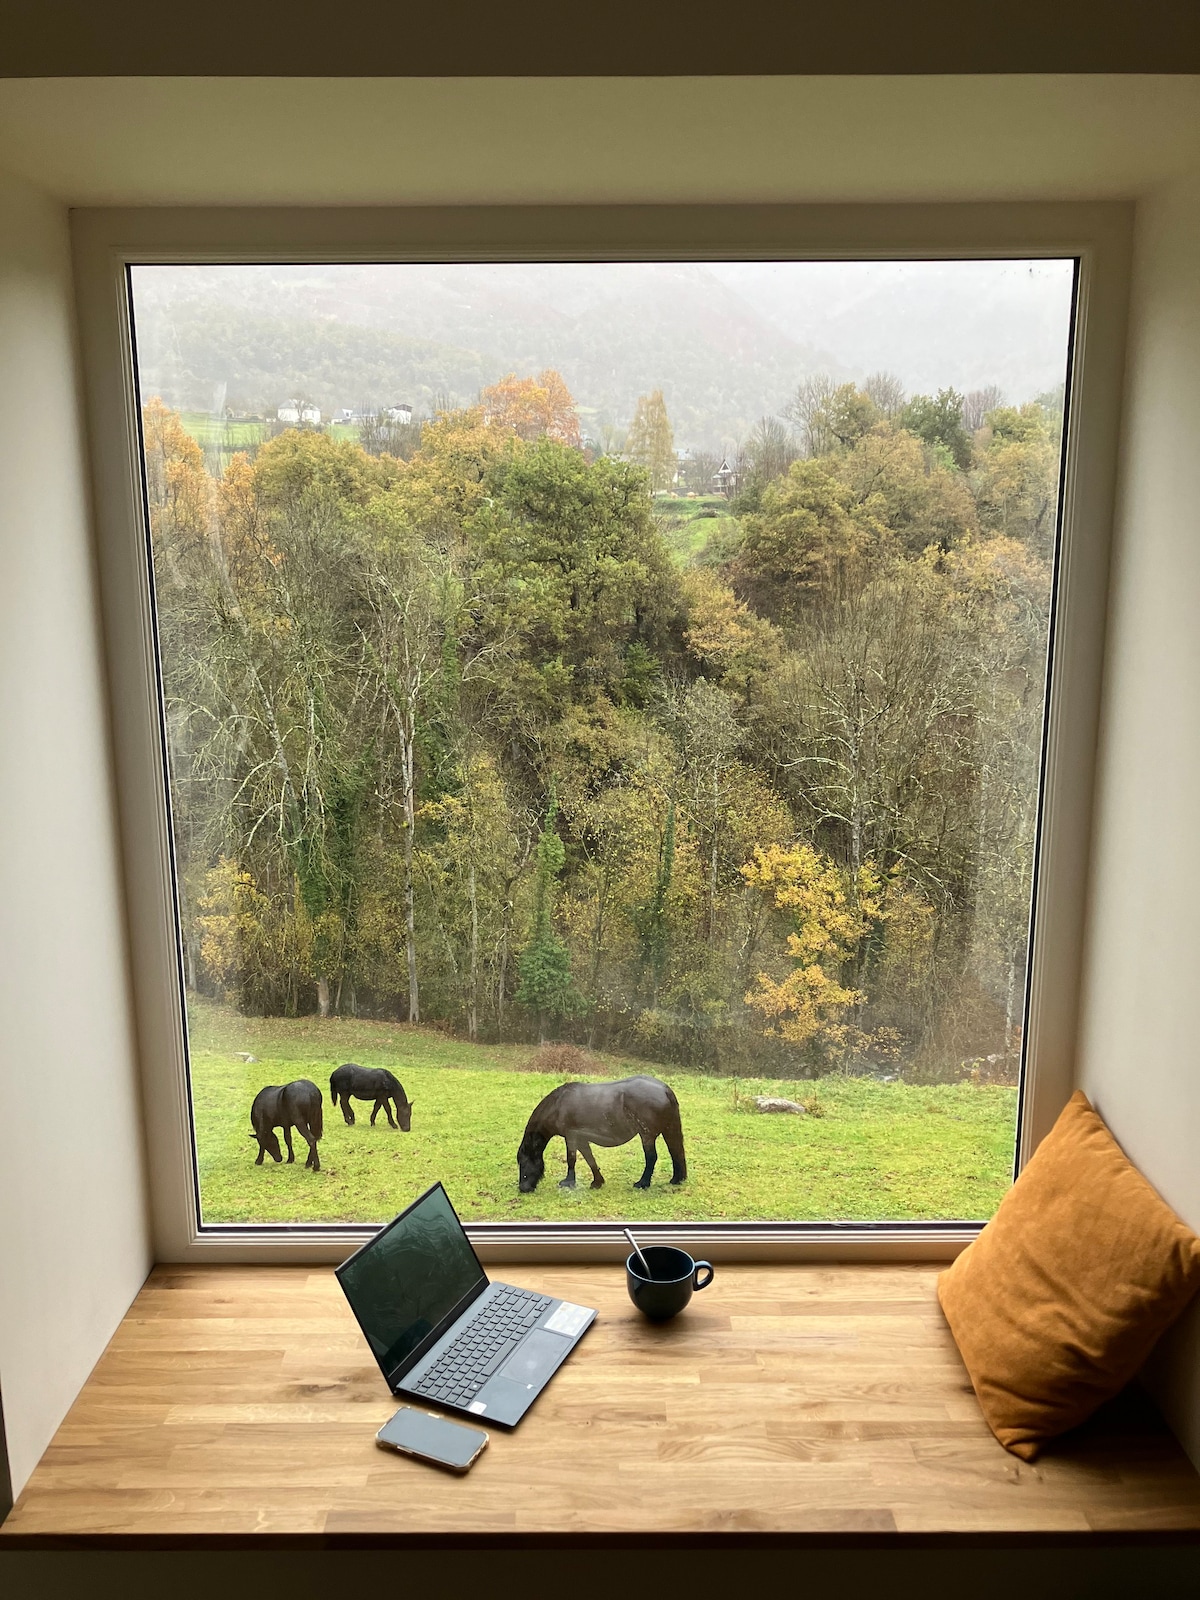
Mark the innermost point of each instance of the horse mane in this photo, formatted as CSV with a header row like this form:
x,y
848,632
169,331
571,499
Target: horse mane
x,y
543,1111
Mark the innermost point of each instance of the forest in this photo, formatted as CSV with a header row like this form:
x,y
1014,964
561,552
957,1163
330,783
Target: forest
x,y
483,725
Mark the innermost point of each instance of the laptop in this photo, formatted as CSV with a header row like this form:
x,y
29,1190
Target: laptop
x,y
441,1331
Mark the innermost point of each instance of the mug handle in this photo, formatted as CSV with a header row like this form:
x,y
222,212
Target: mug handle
x,y
696,1275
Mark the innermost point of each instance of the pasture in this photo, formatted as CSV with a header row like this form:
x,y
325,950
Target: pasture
x,y
687,526
872,1150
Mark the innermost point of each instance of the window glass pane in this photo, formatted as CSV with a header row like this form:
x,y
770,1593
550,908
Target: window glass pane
x,y
578,673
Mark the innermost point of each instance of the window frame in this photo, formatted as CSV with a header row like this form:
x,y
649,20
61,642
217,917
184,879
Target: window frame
x,y
107,241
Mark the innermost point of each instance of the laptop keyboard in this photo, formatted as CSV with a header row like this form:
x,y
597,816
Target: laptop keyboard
x,y
483,1345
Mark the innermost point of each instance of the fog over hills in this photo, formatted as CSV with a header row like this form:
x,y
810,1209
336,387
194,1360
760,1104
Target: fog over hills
x,y
726,342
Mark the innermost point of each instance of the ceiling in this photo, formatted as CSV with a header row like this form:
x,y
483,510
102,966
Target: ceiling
x,y
394,141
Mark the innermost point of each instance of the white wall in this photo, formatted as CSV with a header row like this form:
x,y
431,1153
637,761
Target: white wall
x,y
71,1162
1140,1035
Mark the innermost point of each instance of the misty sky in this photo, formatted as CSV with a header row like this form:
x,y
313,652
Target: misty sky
x,y
727,342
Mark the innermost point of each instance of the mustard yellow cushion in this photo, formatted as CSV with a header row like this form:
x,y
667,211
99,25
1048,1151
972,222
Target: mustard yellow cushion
x,y
1058,1301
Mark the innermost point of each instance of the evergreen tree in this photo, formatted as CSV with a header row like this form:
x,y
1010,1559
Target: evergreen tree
x,y
545,965
940,423
651,443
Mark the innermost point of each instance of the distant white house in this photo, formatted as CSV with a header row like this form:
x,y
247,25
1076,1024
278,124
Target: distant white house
x,y
344,414
297,411
401,413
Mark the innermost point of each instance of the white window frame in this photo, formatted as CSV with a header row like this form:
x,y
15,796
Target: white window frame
x,y
106,242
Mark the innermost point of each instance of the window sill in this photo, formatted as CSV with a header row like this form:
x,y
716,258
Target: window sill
x,y
788,1406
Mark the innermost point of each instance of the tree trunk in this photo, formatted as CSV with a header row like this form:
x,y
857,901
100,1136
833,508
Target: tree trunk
x,y
712,860
323,996
473,996
410,930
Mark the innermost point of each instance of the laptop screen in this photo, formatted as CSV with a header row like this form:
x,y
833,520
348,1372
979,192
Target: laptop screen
x,y
405,1284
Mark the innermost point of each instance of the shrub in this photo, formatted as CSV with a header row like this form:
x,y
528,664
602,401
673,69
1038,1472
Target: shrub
x,y
565,1061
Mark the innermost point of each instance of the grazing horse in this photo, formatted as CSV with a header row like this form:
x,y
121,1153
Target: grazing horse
x,y
295,1105
606,1114
371,1083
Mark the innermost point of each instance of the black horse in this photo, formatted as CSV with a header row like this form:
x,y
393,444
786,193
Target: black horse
x,y
295,1105
371,1083
606,1114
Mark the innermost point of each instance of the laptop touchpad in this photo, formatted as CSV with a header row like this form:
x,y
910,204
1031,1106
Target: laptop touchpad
x,y
536,1357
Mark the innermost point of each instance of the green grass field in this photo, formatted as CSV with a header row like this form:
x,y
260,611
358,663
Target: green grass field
x,y
876,1150
688,525
229,435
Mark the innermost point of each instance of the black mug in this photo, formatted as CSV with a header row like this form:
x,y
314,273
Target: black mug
x,y
673,1276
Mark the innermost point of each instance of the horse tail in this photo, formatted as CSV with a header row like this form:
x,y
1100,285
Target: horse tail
x,y
333,1091
316,1121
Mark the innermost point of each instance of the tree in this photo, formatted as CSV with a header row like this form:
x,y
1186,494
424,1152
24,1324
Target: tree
x,y
875,726
920,501
651,443
710,732
545,965
1016,474
802,543
471,867
725,636
415,603
830,915
806,412
534,408
697,470
652,923
977,404
567,569
939,422
886,393
767,454
382,434
844,417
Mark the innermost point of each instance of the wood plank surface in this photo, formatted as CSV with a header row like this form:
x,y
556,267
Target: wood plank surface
x,y
795,1400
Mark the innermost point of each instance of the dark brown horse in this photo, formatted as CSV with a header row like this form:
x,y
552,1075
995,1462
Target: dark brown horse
x,y
294,1105
370,1083
607,1114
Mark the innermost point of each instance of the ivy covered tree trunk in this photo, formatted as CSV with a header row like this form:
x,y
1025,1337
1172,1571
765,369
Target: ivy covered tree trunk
x,y
653,929
473,996
545,965
410,923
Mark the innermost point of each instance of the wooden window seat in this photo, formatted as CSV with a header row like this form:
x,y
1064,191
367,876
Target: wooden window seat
x,y
794,1403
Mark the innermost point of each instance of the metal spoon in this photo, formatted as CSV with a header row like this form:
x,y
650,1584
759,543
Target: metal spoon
x,y
637,1250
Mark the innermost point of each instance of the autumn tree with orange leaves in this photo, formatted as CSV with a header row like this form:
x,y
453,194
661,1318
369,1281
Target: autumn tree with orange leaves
x,y
533,407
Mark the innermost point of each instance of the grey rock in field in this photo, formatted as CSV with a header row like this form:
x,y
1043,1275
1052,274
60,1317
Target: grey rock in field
x,y
767,1102
244,1055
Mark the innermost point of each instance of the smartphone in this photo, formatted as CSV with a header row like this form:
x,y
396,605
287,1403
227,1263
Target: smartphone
x,y
436,1439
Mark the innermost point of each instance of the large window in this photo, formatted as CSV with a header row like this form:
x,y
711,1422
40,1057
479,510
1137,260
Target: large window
x,y
575,672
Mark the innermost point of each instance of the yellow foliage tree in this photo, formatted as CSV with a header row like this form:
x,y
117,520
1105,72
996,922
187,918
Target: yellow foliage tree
x,y
178,489
533,407
1016,474
831,914
651,442
724,634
